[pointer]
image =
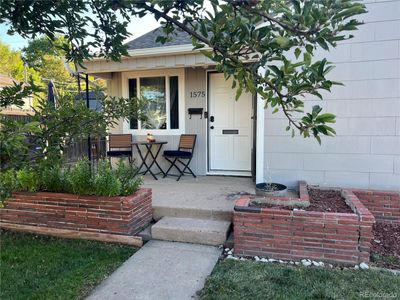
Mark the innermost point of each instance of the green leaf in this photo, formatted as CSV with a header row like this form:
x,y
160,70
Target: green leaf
x,y
276,70
321,67
307,7
316,109
296,5
309,48
326,118
307,58
282,41
238,93
297,52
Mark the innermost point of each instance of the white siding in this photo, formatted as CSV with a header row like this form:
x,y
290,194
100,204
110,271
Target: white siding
x,y
114,89
195,80
147,63
366,151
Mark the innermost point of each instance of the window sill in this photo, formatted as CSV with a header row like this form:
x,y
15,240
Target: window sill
x,y
144,132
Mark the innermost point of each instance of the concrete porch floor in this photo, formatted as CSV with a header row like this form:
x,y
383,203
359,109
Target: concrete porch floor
x,y
209,197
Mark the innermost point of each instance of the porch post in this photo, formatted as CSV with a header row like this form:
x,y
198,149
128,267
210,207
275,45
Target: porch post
x,y
260,137
89,148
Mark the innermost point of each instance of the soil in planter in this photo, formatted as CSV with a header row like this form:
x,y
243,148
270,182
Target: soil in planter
x,y
385,250
327,201
320,200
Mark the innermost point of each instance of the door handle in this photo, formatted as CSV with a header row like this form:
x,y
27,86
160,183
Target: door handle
x,y
212,127
212,119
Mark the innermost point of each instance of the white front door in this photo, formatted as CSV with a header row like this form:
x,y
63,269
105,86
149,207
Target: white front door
x,y
229,127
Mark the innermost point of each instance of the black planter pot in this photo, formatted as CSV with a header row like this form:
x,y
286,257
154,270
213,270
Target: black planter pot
x,y
271,189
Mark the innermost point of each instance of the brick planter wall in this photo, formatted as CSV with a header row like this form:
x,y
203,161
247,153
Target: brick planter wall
x,y
294,235
117,215
384,205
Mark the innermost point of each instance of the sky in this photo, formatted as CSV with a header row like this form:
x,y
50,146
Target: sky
x,y
137,27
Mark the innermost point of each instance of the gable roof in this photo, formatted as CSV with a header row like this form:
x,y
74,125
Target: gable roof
x,y
148,40
6,80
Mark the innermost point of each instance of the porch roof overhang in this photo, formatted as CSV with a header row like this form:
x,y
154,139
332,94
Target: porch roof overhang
x,y
176,56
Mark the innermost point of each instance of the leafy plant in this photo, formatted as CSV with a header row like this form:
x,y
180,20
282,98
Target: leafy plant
x,y
8,184
105,182
28,180
79,178
52,179
127,175
15,147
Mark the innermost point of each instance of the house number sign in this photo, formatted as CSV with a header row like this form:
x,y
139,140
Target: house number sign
x,y
197,94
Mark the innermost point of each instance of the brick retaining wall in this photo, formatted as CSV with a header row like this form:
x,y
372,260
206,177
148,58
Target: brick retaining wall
x,y
384,205
118,215
294,234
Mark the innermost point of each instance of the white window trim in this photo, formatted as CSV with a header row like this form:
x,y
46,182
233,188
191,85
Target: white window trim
x,y
181,99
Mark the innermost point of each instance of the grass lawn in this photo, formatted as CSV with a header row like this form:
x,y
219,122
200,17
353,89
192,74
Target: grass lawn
x,y
41,267
254,280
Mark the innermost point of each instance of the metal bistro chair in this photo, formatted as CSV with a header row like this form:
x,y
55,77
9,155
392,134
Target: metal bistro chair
x,y
184,152
120,145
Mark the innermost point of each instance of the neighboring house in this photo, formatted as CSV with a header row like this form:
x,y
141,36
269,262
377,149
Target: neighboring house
x,y
241,138
94,99
12,111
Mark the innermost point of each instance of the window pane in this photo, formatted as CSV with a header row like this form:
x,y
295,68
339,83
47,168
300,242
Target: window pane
x,y
133,94
174,103
152,89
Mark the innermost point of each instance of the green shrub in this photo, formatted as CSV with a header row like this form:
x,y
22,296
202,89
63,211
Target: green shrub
x,y
79,178
127,175
8,184
52,179
28,180
105,181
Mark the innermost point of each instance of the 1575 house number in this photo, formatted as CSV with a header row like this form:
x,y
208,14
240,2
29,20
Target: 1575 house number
x,y
197,94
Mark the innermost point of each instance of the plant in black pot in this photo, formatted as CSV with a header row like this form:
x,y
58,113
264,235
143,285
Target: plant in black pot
x,y
270,188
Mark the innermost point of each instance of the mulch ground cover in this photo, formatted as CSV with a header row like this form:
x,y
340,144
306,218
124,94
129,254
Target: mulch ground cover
x,y
385,251
327,201
320,200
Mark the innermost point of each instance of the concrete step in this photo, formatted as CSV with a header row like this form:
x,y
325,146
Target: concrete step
x,y
190,230
221,214
145,234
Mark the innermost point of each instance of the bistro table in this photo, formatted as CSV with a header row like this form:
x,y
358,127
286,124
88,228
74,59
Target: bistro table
x,y
153,158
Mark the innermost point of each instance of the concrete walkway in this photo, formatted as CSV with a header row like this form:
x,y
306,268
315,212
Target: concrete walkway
x,y
160,270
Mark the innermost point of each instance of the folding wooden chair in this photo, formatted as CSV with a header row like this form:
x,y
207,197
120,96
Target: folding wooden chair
x,y
120,145
184,153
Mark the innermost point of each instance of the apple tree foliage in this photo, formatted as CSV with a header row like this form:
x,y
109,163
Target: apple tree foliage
x,y
267,46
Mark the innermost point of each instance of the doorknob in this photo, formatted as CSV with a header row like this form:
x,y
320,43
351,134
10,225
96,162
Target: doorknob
x,y
212,119
212,127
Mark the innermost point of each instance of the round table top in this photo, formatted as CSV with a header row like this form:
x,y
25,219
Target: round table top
x,y
149,143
